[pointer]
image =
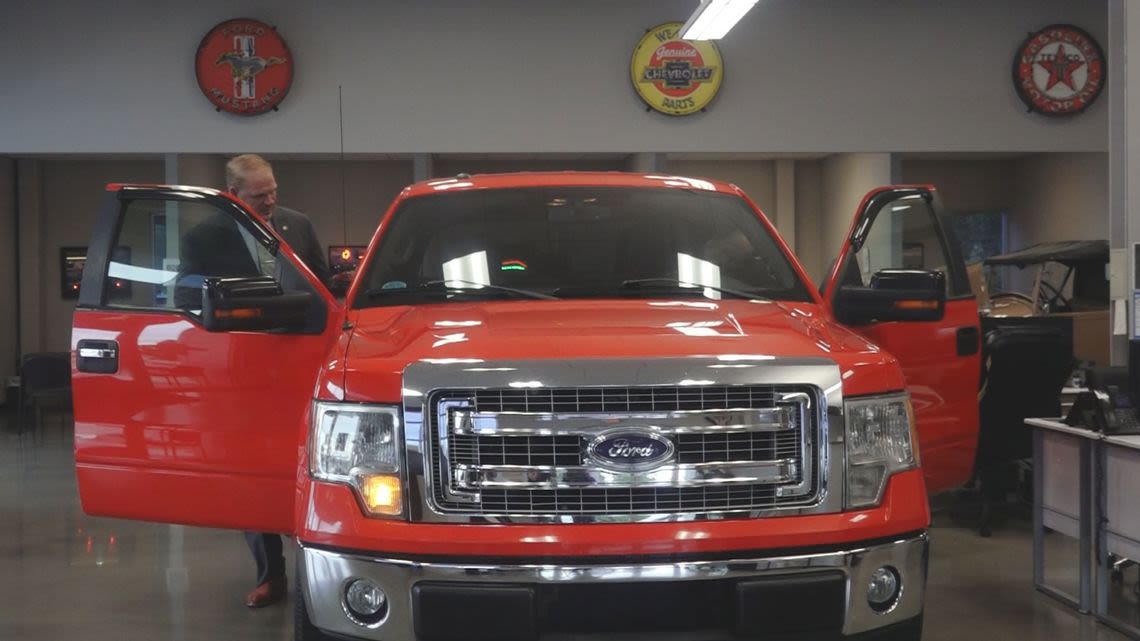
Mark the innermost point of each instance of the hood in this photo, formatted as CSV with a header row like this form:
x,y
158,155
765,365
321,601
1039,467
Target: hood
x,y
385,339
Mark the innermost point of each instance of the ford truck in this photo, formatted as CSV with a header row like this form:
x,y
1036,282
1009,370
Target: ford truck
x,y
549,404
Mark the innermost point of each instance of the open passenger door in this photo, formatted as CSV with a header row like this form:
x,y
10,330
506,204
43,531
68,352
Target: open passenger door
x,y
899,239
197,340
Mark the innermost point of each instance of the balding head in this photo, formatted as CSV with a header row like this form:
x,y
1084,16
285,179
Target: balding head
x,y
250,178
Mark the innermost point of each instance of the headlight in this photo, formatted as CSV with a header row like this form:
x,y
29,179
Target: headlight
x,y
360,446
880,441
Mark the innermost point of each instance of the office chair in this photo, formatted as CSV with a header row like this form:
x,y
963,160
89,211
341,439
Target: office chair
x,y
1026,367
44,376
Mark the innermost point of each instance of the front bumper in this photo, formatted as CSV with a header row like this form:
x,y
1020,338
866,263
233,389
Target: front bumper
x,y
815,595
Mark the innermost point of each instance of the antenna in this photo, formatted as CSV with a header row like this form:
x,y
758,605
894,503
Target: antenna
x,y
343,188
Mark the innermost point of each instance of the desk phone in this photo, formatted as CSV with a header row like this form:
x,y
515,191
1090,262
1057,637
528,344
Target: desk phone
x,y
1110,410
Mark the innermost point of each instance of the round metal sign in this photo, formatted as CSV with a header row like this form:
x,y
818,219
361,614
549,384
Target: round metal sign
x,y
1059,70
676,77
244,67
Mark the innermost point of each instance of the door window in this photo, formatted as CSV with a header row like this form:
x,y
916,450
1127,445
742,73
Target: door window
x,y
165,250
904,234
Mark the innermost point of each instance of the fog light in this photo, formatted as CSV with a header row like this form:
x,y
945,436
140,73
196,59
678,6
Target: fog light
x,y
883,589
365,601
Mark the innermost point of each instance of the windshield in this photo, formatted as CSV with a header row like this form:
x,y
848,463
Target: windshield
x,y
576,242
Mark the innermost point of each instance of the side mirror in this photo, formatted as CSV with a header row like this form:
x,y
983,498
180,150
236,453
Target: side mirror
x,y
894,295
255,304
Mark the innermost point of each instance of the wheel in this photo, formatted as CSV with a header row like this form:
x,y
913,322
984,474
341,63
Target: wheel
x,y
303,628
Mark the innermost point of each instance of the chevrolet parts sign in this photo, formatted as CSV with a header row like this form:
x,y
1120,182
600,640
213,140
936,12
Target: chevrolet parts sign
x,y
676,77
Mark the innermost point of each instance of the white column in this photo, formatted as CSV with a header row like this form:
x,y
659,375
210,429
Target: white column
x,y
422,168
1123,96
647,163
786,201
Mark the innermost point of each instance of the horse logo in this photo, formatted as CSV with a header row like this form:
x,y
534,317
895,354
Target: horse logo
x,y
244,67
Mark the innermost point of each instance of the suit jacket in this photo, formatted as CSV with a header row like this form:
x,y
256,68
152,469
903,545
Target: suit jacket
x,y
212,248
297,230
216,248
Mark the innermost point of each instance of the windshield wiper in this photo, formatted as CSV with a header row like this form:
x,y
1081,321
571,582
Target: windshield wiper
x,y
684,287
448,286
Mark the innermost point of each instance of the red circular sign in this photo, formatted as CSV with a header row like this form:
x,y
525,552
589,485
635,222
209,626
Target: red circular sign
x,y
1059,70
244,67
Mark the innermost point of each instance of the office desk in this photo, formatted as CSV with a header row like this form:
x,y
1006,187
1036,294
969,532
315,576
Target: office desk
x,y
1063,492
1119,506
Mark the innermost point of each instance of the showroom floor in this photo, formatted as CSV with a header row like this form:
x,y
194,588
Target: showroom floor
x,y
68,575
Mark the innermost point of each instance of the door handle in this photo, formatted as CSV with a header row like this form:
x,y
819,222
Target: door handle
x,y
97,356
967,341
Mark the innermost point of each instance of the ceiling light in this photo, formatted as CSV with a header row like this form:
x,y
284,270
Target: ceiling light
x,y
713,19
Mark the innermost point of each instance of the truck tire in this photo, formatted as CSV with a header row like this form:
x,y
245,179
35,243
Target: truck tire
x,y
303,628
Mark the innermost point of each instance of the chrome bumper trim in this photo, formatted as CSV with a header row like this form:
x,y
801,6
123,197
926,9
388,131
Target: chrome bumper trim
x,y
324,576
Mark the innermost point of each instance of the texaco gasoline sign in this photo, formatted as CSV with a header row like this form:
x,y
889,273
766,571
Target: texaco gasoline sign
x,y
675,77
1059,70
244,67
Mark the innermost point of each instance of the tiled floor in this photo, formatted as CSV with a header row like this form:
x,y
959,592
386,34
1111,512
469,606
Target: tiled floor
x,y
67,575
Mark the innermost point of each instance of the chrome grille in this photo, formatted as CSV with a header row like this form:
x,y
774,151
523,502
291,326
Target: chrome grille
x,y
625,399
479,470
736,446
517,450
627,500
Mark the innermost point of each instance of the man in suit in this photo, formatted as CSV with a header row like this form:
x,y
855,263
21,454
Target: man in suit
x,y
250,178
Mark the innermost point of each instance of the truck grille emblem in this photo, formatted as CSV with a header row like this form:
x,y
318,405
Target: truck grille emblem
x,y
630,449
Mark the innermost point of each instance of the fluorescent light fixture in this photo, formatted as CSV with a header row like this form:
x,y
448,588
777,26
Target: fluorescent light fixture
x,y
713,19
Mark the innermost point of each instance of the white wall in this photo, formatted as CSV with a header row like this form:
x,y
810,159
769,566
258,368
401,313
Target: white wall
x,y
535,76
967,185
1060,197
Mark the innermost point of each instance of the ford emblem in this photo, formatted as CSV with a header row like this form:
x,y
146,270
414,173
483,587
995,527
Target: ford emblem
x,y
630,449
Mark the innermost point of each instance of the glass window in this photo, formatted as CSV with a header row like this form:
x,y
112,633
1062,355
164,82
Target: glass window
x,y
903,235
982,234
576,242
165,250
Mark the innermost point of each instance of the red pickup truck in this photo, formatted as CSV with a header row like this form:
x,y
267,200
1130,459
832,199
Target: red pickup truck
x,y
551,403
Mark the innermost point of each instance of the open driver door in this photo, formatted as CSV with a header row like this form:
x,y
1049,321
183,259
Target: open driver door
x,y
196,344
899,238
